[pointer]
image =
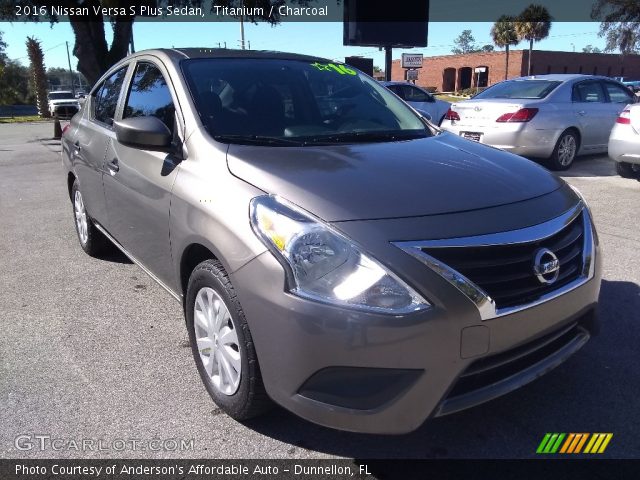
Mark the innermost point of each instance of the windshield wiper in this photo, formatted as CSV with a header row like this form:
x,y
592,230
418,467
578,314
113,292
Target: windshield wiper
x,y
366,137
257,140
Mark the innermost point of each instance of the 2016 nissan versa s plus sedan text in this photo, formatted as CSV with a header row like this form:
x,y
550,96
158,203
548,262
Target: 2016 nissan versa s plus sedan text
x,y
333,252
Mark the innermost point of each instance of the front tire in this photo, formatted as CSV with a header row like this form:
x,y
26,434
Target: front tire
x,y
221,343
625,170
91,239
565,151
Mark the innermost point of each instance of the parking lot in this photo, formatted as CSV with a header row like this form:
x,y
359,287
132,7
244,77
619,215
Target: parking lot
x,y
95,349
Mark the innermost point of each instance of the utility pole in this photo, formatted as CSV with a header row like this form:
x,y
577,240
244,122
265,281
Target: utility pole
x,y
241,33
73,88
387,63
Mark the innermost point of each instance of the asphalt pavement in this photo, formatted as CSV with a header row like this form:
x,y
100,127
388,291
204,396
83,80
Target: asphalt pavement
x,y
93,349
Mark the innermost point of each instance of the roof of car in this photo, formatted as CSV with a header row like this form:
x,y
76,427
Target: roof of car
x,y
562,77
177,54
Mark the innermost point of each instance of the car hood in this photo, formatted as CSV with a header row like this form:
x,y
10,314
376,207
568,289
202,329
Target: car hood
x,y
430,176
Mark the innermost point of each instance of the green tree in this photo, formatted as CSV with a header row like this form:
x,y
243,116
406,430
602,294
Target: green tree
x,y
14,85
591,49
504,35
533,24
95,56
465,43
620,24
3,56
38,76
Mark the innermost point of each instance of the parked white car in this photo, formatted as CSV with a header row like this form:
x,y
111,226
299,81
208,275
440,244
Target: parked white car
x,y
624,142
554,117
63,103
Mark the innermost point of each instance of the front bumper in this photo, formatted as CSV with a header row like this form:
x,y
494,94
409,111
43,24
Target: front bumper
x,y
518,138
372,373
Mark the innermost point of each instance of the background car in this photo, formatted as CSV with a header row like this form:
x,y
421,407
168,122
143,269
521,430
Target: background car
x,y
634,86
624,142
63,103
420,99
555,117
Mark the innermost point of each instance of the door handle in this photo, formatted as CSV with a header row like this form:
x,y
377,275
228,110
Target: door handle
x,y
113,166
582,112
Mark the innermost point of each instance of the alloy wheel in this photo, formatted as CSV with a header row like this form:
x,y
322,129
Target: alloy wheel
x,y
81,218
566,150
217,341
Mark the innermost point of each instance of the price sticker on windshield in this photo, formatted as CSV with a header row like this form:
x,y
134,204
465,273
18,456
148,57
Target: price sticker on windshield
x,y
332,67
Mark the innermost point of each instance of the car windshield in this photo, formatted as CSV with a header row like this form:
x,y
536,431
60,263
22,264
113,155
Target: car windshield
x,y
60,95
294,102
519,89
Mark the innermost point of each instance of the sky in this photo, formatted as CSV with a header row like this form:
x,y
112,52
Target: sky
x,y
319,38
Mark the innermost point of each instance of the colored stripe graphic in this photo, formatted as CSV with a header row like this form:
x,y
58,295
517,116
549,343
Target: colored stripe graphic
x,y
573,443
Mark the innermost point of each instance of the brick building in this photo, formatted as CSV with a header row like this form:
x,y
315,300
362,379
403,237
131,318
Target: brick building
x,y
450,73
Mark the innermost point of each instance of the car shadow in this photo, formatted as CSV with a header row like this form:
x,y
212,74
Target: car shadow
x,y
114,254
595,390
594,165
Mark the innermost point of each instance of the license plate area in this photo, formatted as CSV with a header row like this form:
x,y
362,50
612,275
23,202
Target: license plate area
x,y
475,136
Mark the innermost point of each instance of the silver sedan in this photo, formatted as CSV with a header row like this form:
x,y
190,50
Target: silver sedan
x,y
624,142
555,117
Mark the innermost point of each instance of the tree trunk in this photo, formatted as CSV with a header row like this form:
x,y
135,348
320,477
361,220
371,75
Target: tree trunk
x,y
506,66
91,50
530,54
38,76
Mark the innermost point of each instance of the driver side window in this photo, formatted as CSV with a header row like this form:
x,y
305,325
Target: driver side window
x,y
149,96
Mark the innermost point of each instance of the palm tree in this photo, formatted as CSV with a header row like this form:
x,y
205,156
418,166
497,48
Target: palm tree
x,y
533,24
38,76
504,35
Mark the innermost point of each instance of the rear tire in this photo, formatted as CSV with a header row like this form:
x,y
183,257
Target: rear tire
x,y
221,343
565,151
92,241
625,170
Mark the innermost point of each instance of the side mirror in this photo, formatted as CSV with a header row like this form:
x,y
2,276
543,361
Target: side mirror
x,y
146,133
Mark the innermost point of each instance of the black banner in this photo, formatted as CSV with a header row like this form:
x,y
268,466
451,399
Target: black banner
x,y
338,469
289,10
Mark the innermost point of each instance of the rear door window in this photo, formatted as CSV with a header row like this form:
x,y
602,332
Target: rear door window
x,y
106,98
618,94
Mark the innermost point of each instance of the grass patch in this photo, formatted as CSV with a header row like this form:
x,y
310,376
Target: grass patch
x,y
450,99
23,119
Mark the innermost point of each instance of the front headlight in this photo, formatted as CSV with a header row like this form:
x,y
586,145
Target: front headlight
x,y
324,265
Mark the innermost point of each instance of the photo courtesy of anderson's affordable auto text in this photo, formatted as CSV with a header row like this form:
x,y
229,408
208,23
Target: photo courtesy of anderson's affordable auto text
x,y
319,239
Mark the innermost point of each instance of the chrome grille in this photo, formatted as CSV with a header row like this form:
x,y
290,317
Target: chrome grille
x,y
505,272
495,271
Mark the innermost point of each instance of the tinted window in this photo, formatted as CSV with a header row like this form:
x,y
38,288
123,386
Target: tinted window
x,y
413,94
106,98
149,95
60,95
296,99
519,89
588,92
397,89
618,94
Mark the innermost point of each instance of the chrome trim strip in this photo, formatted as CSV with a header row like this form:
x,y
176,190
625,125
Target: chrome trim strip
x,y
523,235
137,262
481,299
